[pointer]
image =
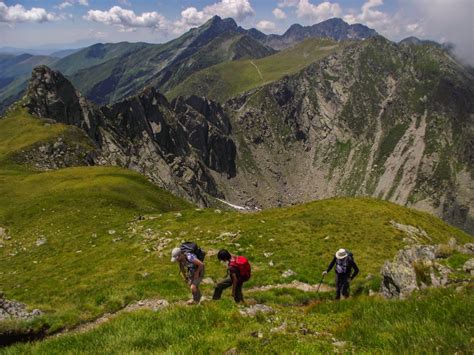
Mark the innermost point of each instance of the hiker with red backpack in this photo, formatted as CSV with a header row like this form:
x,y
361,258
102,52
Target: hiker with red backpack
x,y
191,265
344,261
238,271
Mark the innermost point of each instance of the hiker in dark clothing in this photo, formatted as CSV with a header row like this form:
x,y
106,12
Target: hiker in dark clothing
x,y
238,271
344,264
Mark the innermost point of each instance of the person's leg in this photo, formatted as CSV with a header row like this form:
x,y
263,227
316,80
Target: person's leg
x,y
220,287
345,287
239,297
338,287
194,286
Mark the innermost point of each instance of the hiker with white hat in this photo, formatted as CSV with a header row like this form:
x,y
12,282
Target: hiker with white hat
x,y
191,265
345,263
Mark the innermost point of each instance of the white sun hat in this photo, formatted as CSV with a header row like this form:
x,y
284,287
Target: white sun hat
x,y
175,253
341,254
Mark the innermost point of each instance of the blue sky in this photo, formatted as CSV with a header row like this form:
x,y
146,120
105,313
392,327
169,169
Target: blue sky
x,y
74,23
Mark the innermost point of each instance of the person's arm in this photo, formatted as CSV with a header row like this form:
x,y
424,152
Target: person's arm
x,y
234,279
356,269
331,265
199,266
182,269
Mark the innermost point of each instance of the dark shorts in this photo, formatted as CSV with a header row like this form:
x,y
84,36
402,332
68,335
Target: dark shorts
x,y
192,280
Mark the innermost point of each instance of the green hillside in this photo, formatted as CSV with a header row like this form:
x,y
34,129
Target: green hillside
x,y
229,79
78,250
163,66
97,54
71,209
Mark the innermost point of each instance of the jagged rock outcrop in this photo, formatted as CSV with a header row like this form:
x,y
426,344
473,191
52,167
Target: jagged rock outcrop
x,y
175,145
469,266
57,154
12,310
413,268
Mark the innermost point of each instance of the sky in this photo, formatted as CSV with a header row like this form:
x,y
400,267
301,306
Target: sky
x,y
77,23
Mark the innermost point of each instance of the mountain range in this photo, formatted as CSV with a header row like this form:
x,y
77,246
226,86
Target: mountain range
x,y
349,115
106,73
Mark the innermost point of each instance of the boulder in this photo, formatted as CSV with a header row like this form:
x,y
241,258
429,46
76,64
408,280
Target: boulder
x,y
469,266
288,273
253,310
12,310
413,268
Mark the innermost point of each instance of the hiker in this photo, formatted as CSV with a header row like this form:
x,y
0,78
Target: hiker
x,y
191,265
238,271
344,262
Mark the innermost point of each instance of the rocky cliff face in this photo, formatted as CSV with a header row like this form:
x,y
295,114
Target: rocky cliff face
x,y
175,145
377,119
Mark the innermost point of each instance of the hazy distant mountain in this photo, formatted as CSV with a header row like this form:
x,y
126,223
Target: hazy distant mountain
x,y
64,52
334,28
417,41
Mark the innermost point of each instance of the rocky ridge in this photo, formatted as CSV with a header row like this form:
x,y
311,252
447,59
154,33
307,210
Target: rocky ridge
x,y
174,144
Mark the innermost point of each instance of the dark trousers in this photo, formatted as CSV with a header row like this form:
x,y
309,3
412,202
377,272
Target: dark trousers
x,y
226,283
342,285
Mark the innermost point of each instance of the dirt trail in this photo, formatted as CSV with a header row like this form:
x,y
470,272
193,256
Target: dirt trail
x,y
160,304
298,285
258,70
151,304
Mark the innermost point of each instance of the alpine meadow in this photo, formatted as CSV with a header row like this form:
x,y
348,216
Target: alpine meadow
x,y
236,177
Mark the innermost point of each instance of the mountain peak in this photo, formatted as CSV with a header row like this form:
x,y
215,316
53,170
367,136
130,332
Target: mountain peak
x,y
216,22
334,20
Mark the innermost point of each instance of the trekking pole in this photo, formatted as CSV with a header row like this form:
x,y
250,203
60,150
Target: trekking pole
x,y
320,282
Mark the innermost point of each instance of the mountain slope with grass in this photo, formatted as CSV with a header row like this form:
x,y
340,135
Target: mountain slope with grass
x,y
230,79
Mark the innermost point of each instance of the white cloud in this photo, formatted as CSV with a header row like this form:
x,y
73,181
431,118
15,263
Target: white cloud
x,y
191,17
69,3
266,26
372,17
17,13
279,14
127,20
311,12
445,21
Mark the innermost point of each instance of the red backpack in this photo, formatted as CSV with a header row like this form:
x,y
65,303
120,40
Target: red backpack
x,y
242,264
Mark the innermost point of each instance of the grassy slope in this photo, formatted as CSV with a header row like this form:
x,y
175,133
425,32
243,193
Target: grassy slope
x,y
97,54
436,322
81,272
69,207
226,80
